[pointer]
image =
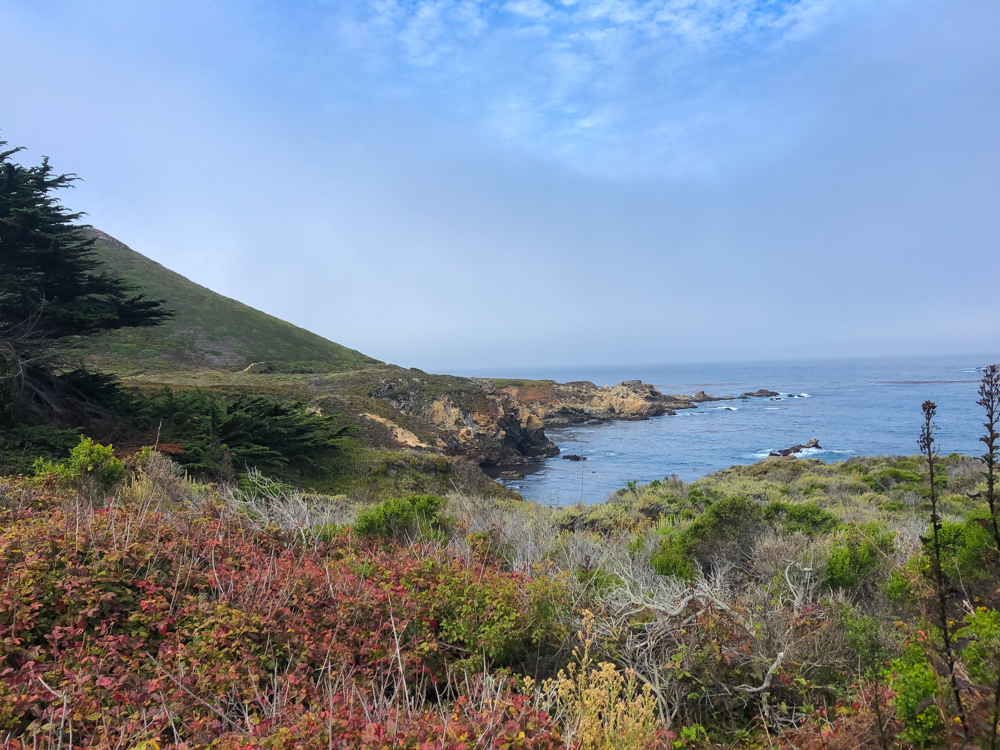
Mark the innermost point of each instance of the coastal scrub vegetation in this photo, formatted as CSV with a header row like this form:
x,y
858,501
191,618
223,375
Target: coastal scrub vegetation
x,y
790,604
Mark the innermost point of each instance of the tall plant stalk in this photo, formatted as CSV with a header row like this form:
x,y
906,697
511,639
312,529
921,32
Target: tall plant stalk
x,y
989,399
941,583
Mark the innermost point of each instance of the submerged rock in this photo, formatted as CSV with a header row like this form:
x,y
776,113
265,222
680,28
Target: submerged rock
x,y
574,457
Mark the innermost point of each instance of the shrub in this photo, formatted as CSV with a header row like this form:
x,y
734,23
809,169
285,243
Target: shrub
x,y
916,688
606,709
972,546
401,518
672,560
806,518
222,435
22,443
857,554
725,529
87,460
245,627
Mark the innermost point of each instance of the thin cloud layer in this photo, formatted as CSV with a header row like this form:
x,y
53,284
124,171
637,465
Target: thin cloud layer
x,y
595,82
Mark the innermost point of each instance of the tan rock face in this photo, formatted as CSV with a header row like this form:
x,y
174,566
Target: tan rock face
x,y
400,435
503,422
478,421
569,403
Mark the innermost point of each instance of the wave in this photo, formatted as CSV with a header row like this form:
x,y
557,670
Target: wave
x,y
809,452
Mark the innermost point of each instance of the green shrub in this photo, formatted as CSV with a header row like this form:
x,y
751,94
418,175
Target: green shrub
x,y
864,637
401,518
88,459
892,506
721,525
857,554
327,532
901,477
916,689
982,656
971,545
899,588
807,518
725,528
673,560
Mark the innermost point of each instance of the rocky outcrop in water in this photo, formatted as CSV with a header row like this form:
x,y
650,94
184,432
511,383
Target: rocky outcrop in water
x,y
701,397
559,404
814,443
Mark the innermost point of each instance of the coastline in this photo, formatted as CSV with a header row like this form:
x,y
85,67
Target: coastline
x,y
854,408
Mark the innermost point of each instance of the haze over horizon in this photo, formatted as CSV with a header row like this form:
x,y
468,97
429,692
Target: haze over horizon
x,y
459,185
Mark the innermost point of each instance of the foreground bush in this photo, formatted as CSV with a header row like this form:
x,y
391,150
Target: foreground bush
x,y
178,624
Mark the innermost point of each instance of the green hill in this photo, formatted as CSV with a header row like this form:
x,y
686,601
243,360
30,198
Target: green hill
x,y
209,332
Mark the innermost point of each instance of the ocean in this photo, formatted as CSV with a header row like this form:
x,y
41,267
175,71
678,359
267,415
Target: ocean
x,y
859,407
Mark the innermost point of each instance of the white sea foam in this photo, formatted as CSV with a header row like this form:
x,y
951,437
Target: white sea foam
x,y
804,395
726,408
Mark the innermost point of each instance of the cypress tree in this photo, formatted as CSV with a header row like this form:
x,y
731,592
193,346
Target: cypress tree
x,y
52,289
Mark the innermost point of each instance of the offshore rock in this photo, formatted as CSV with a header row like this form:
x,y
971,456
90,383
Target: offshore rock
x,y
762,393
701,396
814,443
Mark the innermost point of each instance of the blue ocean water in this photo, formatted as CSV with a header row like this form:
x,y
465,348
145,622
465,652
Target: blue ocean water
x,y
858,407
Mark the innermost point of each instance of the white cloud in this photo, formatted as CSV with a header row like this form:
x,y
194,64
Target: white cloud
x,y
534,9
587,77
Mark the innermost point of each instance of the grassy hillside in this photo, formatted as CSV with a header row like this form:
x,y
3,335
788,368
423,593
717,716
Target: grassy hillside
x,y
209,332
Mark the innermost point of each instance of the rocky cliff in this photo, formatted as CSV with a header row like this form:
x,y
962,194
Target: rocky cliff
x,y
500,422
558,404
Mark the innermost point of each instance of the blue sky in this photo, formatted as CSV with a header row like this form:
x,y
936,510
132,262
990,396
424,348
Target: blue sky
x,y
460,184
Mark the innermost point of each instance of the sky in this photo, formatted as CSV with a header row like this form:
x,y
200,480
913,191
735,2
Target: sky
x,y
459,185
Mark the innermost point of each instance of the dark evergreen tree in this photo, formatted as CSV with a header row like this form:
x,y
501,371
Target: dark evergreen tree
x,y
221,436
51,289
